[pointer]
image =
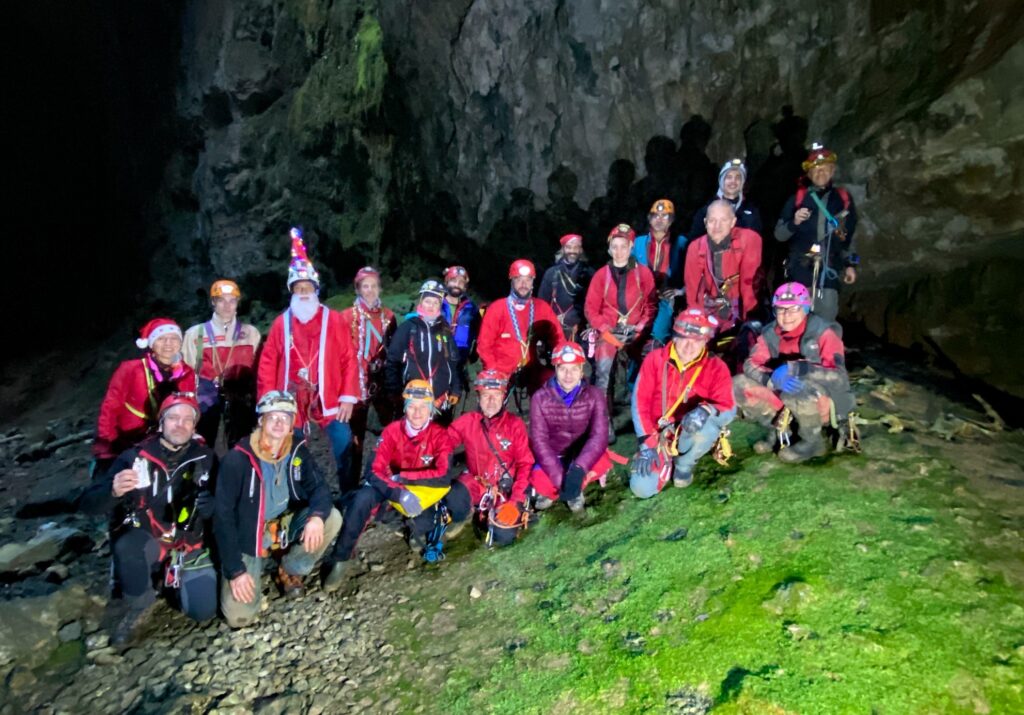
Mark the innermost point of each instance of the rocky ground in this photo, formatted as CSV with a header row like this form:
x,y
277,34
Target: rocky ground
x,y
559,614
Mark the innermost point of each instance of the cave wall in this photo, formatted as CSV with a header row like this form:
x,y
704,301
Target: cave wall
x,y
408,132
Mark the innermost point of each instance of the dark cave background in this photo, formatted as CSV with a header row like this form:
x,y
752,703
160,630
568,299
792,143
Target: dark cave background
x,y
158,146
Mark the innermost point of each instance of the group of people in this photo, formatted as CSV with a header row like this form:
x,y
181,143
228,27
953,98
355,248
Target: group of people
x,y
179,514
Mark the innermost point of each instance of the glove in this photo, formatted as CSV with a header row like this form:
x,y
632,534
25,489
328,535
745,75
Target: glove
x,y
453,400
799,368
695,419
572,482
784,382
643,459
410,503
205,504
505,485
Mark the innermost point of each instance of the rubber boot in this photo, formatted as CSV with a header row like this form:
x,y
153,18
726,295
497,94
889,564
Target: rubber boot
x,y
810,445
576,506
681,478
138,611
541,502
334,576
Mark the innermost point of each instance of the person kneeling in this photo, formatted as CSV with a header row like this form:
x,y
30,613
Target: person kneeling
x,y
159,496
797,370
410,470
568,432
498,460
681,402
272,503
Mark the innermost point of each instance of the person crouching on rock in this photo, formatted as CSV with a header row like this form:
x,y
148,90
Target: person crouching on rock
x,y
498,460
137,388
568,432
681,401
159,496
410,470
797,370
272,503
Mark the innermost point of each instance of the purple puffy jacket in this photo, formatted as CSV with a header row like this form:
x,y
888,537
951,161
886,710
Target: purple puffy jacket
x,y
578,433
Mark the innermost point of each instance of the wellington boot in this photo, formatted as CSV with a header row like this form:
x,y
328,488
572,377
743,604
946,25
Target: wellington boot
x,y
808,448
541,502
576,506
137,612
334,576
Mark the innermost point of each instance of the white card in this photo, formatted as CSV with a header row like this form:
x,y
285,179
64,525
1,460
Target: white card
x,y
141,469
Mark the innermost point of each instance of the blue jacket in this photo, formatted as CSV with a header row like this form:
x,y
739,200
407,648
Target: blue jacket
x,y
675,261
466,327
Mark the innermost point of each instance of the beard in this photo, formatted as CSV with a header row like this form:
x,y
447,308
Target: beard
x,y
455,291
304,307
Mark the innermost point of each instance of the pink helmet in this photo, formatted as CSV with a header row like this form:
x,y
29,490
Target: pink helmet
x,y
789,294
365,272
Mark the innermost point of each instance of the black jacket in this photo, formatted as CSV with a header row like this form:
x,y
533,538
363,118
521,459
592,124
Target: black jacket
x,y
799,267
238,522
564,287
176,481
422,352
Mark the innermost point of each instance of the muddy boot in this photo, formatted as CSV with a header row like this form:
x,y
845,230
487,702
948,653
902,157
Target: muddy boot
x,y
454,529
137,612
541,502
810,446
334,576
766,445
291,586
576,506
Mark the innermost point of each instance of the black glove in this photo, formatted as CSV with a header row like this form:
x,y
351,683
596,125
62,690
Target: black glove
x,y
799,368
695,419
205,504
572,482
505,485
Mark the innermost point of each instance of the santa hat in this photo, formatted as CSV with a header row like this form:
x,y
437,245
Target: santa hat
x,y
154,329
301,269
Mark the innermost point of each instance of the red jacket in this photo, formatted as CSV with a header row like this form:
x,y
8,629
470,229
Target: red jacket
x,y
231,355
742,259
423,458
370,331
792,346
498,345
661,382
323,350
129,409
602,305
508,438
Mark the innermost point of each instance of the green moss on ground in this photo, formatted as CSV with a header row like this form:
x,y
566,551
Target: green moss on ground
x,y
847,585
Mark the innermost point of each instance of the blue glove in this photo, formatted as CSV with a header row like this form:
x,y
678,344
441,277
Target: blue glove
x,y
695,419
785,382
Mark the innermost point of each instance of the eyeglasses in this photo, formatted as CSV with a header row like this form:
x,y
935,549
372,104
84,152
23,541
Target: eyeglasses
x,y
278,417
788,309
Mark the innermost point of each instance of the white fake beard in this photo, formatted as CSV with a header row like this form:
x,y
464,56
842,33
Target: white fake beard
x,y
304,307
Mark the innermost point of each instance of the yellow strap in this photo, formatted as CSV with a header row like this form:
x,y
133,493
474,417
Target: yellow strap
x,y
686,390
138,413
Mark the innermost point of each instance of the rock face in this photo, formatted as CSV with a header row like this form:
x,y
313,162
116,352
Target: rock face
x,y
406,133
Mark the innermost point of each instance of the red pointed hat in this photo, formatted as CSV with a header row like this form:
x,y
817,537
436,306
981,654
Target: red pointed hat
x,y
154,329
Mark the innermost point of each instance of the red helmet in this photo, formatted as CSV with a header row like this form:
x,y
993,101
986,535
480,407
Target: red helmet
x,y
570,237
622,231
365,272
694,323
491,380
568,353
179,398
522,267
819,155
453,271
789,294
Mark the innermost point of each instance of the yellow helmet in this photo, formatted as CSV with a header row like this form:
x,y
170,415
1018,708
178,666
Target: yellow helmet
x,y
418,390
